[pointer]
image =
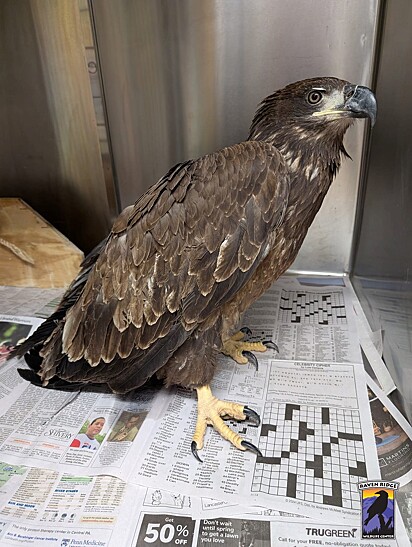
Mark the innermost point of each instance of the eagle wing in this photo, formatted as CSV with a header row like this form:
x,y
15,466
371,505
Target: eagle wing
x,y
183,250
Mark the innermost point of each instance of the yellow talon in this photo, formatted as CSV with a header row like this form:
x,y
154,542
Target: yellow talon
x,y
234,347
239,335
210,411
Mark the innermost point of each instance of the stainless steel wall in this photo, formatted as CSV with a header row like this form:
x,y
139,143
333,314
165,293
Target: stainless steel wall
x,y
183,78
383,266
385,244
49,143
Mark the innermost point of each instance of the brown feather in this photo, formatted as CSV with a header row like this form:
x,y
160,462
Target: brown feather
x,y
227,262
113,340
195,250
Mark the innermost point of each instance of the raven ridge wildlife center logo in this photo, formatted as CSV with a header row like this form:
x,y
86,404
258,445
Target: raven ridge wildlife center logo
x,y
378,509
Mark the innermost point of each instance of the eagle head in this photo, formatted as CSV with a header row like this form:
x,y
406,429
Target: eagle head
x,y
312,107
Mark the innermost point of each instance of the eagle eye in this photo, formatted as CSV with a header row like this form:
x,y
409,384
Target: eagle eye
x,y
314,97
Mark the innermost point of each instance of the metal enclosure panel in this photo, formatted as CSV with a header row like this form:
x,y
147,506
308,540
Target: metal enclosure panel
x,y
183,78
49,147
385,244
383,265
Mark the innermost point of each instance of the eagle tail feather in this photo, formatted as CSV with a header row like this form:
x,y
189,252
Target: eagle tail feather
x,y
152,360
56,383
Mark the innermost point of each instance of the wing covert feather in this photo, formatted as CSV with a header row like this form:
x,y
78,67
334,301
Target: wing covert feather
x,y
185,247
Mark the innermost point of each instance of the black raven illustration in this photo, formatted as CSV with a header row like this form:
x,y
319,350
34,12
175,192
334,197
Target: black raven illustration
x,y
378,506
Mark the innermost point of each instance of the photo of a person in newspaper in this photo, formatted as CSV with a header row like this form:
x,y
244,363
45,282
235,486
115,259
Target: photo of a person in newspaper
x,y
90,437
127,427
10,335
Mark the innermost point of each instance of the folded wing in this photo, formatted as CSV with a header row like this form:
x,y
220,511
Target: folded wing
x,y
182,251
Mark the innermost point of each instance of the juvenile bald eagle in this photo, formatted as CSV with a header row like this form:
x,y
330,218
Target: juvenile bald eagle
x,y
164,293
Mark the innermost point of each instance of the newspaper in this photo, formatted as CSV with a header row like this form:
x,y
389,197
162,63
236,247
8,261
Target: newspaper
x,y
86,431
388,304
45,507
104,511
307,322
29,301
14,328
393,437
372,346
314,435
164,525
40,507
90,432
172,518
228,486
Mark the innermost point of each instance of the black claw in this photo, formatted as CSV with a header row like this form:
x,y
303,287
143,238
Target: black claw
x,y
246,330
252,448
251,415
271,345
251,357
193,446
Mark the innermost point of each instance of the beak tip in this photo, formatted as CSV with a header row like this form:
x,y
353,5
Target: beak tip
x,y
362,103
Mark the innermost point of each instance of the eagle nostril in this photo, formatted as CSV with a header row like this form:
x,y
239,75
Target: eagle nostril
x,y
350,92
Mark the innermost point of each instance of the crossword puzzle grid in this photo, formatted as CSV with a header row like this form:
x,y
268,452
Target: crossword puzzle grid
x,y
311,453
317,308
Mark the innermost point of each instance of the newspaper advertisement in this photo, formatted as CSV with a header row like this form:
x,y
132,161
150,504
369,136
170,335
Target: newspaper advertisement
x,y
163,527
314,438
393,437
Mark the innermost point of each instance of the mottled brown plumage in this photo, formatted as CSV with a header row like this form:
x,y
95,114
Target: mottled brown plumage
x,y
168,286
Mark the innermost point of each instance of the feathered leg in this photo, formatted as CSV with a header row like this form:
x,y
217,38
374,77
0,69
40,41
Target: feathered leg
x,y
193,366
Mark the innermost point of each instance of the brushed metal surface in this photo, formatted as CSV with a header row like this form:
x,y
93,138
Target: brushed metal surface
x,y
385,248
183,78
383,264
49,149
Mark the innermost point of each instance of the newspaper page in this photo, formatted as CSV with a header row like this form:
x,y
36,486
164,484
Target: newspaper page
x,y
314,436
14,329
29,301
169,418
308,322
88,431
372,346
389,307
393,437
45,507
166,526
41,507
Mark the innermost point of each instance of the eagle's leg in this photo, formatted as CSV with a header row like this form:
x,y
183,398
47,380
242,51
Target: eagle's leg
x,y
240,350
210,411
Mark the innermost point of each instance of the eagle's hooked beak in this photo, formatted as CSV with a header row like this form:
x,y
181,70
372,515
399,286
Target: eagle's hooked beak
x,y
360,102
